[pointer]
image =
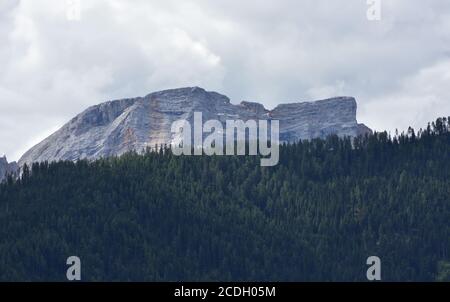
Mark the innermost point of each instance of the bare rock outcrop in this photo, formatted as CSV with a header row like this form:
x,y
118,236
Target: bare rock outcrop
x,y
115,127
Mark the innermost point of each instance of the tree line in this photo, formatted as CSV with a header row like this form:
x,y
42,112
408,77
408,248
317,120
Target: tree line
x,y
316,216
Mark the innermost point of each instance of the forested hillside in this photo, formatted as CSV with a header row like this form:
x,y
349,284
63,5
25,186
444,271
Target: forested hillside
x,y
316,216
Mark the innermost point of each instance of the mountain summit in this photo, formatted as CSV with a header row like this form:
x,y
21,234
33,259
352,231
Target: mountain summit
x,y
7,168
115,127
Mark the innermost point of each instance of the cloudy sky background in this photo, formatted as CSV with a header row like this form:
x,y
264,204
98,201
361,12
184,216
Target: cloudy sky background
x,y
276,51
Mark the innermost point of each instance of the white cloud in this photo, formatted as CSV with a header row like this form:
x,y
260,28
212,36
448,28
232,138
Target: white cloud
x,y
271,51
421,98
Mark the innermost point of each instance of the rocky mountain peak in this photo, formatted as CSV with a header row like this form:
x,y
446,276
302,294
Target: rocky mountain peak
x,y
115,127
7,168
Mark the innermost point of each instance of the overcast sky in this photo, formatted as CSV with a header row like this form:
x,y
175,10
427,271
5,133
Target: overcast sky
x,y
52,67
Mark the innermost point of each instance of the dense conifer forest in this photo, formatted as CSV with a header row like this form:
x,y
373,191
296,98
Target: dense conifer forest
x,y
316,216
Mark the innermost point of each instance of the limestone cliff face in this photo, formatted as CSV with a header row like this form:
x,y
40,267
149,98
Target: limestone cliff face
x,y
7,168
115,127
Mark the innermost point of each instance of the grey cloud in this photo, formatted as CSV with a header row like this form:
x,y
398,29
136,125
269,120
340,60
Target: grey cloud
x,y
270,51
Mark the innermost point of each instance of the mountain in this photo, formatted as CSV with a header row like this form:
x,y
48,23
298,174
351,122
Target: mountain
x,y
7,168
115,127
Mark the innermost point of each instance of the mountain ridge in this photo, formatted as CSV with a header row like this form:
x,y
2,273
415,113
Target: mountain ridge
x,y
7,168
117,126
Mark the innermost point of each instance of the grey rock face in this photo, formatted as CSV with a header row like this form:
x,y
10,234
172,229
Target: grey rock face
x,y
115,127
7,168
